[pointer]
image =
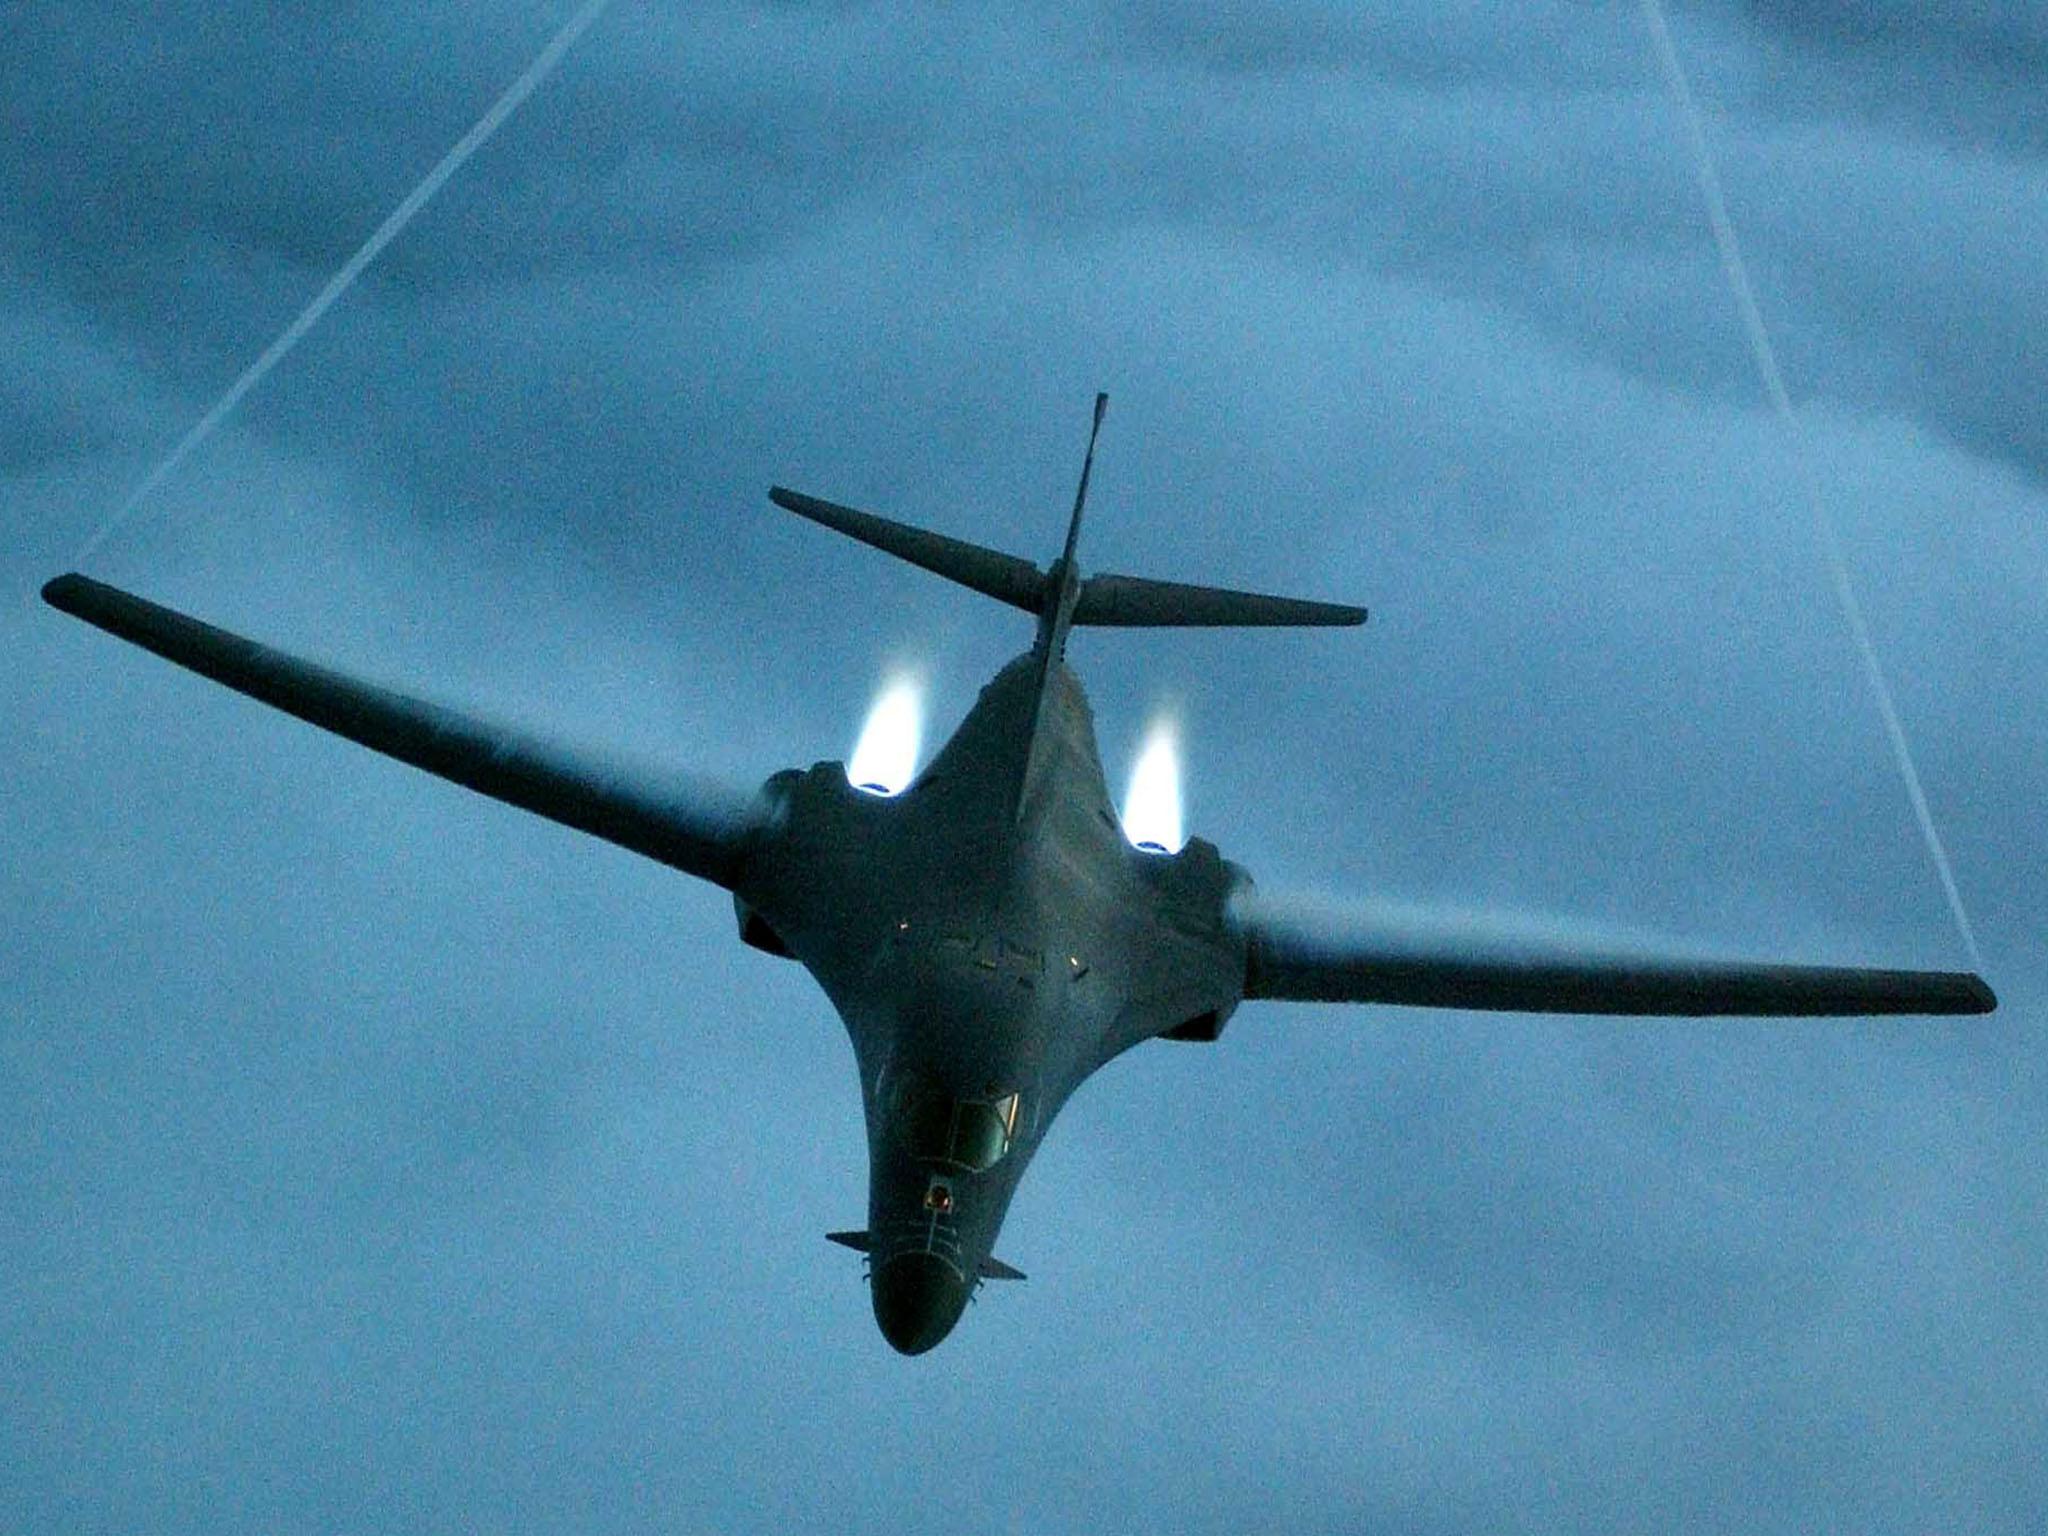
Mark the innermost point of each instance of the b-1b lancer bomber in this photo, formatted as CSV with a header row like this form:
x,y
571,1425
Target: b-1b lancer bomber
x,y
989,935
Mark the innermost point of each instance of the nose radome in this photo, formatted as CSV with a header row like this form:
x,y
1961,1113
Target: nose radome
x,y
918,1298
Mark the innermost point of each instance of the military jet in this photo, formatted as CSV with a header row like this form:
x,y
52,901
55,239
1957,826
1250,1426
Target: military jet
x,y
989,935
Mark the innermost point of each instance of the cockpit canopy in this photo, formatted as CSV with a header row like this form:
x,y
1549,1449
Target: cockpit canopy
x,y
937,1127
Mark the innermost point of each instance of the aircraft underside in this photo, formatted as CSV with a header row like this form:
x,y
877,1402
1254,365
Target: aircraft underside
x,y
989,936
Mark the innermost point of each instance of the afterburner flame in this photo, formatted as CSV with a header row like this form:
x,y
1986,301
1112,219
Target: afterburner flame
x,y
885,758
1152,803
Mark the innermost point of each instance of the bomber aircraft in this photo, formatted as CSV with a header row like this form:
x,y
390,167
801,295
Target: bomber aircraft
x,y
989,935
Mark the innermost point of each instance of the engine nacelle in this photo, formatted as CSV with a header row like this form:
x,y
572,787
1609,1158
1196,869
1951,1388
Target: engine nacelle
x,y
1203,1028
1201,884
755,932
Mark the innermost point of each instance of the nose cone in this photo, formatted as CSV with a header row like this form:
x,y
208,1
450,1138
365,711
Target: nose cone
x,y
918,1299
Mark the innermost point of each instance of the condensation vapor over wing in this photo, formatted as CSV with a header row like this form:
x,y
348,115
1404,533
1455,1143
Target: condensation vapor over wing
x,y
394,224
1781,400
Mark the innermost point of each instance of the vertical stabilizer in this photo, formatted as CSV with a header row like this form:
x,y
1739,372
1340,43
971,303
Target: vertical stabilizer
x,y
1056,618
1063,581
1059,597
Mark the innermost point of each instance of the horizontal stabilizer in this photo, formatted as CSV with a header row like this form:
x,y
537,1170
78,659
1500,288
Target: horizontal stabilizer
x,y
1135,602
1006,578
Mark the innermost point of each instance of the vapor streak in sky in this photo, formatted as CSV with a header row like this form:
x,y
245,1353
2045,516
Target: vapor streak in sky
x,y
1781,400
509,102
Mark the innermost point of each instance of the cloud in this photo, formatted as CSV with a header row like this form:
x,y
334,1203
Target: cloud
x,y
377,1156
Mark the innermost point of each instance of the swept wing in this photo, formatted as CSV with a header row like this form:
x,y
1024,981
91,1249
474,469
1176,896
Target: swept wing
x,y
687,823
1313,950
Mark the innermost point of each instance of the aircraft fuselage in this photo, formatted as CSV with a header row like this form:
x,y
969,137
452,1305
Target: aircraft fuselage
x,y
987,949
989,936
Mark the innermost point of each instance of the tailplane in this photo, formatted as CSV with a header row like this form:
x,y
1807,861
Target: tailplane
x,y
1137,602
1058,596
1006,578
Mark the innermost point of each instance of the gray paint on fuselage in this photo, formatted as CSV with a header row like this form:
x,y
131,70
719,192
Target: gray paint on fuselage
x,y
988,942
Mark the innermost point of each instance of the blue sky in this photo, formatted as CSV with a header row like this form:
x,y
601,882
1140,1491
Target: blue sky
x,y
374,1157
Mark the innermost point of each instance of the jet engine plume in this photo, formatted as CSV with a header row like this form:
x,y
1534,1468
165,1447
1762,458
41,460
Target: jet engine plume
x,y
885,758
1152,812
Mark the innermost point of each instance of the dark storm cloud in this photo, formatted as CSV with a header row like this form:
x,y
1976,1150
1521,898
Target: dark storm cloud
x,y
1517,170
661,143
378,1157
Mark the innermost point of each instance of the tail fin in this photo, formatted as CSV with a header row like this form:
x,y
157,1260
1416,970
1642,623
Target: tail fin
x,y
1059,596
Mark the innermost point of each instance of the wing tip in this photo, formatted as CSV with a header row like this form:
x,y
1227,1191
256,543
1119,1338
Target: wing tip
x,y
1976,994
65,593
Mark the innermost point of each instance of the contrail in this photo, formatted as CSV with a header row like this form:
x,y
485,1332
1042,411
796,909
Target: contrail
x,y
501,109
1774,385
